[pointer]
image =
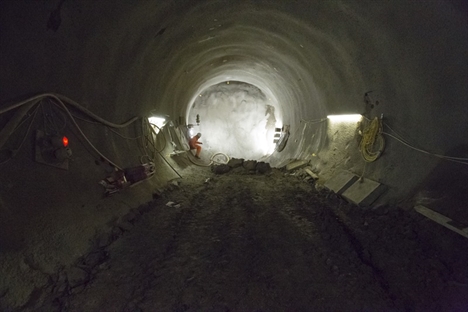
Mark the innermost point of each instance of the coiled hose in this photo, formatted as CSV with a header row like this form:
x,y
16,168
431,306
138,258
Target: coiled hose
x,y
212,160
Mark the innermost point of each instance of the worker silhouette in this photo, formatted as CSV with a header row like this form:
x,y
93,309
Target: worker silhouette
x,y
194,144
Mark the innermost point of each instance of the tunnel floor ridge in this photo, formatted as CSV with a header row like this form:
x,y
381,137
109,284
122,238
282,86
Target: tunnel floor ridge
x,y
250,242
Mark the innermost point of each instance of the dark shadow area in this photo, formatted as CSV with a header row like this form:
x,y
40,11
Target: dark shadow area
x,y
446,188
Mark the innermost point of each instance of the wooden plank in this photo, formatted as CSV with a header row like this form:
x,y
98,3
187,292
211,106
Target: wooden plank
x,y
296,164
309,171
442,220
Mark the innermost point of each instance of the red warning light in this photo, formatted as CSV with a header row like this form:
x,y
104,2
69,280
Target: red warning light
x,y
65,141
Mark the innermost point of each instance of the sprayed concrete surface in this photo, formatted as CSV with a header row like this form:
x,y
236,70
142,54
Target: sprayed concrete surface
x,y
245,241
308,58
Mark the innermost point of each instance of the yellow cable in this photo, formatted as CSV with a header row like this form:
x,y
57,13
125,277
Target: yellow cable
x,y
372,142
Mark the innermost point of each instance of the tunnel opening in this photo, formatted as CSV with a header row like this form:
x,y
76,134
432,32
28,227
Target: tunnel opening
x,y
236,118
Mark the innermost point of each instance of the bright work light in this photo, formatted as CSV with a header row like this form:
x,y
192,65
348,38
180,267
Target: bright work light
x,y
159,122
345,118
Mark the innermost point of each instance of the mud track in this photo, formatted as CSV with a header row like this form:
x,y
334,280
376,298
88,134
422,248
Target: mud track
x,y
249,242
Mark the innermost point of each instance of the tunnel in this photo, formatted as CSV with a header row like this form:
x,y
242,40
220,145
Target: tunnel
x,y
262,81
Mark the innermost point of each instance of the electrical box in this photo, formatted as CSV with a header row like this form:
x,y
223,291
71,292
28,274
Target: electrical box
x,y
52,150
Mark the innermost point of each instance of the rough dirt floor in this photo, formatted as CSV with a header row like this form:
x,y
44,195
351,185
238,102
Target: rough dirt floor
x,y
251,242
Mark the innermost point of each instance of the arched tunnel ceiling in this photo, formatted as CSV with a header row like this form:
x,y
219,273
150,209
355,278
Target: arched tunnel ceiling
x,y
258,44
313,58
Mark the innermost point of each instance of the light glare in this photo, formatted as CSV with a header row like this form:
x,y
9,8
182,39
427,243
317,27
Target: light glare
x,y
345,118
158,121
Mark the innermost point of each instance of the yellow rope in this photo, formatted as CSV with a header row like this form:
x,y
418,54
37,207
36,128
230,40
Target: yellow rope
x,y
372,142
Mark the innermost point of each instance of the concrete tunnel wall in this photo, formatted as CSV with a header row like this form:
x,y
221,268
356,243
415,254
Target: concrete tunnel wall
x,y
129,58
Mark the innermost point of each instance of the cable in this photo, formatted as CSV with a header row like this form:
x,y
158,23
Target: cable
x,y
160,154
399,138
58,97
72,103
37,97
14,152
148,142
86,120
96,117
51,120
142,144
151,136
110,129
372,134
219,153
81,132
164,146
146,137
454,159
25,119
197,164
141,158
160,130
211,159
